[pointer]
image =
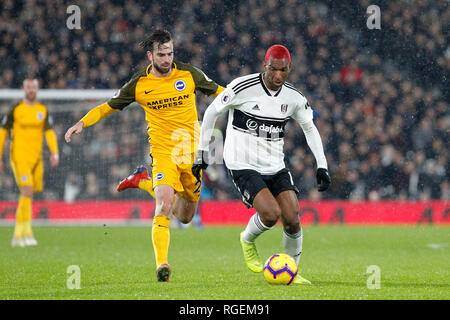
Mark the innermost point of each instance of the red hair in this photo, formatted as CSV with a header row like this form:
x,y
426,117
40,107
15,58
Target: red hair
x,y
277,52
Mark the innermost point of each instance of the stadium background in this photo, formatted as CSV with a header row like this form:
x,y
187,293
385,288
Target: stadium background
x,y
380,96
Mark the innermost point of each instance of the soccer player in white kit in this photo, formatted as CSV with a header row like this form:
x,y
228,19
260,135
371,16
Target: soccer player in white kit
x,y
259,107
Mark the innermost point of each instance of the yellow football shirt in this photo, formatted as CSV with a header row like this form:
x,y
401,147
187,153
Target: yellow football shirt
x,y
169,104
27,124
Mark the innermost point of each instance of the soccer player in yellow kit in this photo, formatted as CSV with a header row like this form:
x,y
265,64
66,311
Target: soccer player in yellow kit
x,y
165,89
28,122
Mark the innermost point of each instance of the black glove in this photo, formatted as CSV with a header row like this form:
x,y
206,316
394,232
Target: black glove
x,y
200,163
323,179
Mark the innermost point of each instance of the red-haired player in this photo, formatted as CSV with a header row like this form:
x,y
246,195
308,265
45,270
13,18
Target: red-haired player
x,y
259,107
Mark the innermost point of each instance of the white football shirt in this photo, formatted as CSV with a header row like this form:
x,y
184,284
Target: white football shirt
x,y
256,122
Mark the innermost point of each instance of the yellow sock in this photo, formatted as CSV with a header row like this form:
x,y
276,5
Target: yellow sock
x,y
26,212
161,239
147,185
18,230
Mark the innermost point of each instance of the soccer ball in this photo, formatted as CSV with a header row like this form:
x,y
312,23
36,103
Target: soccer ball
x,y
280,269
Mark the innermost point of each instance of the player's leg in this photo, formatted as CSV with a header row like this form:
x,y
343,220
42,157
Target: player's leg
x,y
283,188
164,195
23,176
184,209
38,186
26,199
255,194
292,231
23,217
266,216
186,201
139,178
166,181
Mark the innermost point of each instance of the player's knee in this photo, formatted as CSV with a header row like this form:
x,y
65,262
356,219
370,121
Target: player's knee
x,y
26,191
185,219
270,215
183,214
291,222
163,208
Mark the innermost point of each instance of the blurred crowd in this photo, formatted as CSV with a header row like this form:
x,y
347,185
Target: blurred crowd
x,y
380,96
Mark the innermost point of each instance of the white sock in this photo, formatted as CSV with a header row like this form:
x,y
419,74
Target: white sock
x,y
292,244
254,228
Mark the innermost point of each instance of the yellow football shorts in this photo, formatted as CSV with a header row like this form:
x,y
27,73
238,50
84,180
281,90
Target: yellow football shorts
x,y
175,171
29,173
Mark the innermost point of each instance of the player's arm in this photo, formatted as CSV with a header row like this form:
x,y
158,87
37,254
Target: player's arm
x,y
221,103
304,117
124,97
98,113
52,141
3,135
6,125
93,116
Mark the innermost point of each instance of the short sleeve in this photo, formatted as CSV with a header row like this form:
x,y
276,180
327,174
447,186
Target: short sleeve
x,y
202,82
127,94
48,122
8,119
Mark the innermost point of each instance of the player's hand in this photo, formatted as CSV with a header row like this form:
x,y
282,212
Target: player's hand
x,y
54,160
323,179
77,128
200,163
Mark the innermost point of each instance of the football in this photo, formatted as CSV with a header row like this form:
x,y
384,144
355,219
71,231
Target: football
x,y
280,269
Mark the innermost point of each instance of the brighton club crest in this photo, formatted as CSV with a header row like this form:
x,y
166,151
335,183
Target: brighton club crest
x,y
284,108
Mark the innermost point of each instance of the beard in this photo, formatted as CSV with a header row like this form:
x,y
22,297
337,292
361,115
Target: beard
x,y
162,70
31,96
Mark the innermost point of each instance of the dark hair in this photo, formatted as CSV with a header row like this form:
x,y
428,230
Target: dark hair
x,y
158,36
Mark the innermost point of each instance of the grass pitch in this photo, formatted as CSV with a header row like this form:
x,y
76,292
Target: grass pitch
x,y
118,263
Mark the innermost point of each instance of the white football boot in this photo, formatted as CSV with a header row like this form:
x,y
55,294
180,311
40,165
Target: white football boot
x,y
30,241
17,242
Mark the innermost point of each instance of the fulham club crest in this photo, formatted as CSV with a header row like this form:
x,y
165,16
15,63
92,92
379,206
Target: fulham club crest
x,y
284,108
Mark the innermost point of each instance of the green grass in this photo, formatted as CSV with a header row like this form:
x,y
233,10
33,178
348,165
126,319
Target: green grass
x,y
118,263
